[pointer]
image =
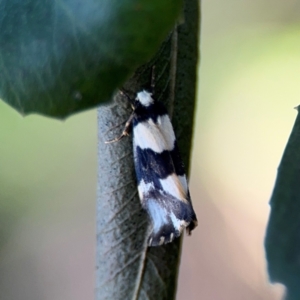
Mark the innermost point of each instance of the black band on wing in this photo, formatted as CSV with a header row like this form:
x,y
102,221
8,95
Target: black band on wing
x,y
144,113
152,164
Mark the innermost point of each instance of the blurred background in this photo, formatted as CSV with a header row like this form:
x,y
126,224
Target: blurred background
x,y
248,86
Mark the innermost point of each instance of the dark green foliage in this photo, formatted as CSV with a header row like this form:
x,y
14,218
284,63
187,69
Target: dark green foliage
x,y
283,233
61,57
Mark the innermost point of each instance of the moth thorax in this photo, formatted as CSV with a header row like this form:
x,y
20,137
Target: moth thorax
x,y
144,98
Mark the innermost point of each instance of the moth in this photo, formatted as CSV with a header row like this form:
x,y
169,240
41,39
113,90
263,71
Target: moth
x,y
161,179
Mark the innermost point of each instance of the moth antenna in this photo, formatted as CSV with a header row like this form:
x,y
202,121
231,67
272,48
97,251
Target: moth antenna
x,y
153,80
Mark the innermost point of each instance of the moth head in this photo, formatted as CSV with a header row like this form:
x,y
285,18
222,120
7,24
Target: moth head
x,y
144,98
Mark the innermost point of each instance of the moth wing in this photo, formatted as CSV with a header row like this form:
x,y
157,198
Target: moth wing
x,y
162,182
168,215
158,139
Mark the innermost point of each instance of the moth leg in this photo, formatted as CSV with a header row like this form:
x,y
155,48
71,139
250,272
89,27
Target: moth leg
x,y
125,131
124,93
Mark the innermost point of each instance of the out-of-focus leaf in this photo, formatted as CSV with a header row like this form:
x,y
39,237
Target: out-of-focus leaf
x,y
282,241
62,57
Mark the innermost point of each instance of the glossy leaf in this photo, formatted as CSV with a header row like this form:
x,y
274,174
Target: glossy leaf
x,y
61,57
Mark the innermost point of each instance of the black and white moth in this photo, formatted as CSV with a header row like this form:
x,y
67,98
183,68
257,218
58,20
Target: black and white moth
x,y
161,179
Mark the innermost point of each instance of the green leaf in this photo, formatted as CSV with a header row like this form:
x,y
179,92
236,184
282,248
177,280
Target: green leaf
x,y
61,57
126,267
282,241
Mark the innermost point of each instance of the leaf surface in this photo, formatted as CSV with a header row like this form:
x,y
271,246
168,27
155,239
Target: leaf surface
x,y
126,267
61,57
